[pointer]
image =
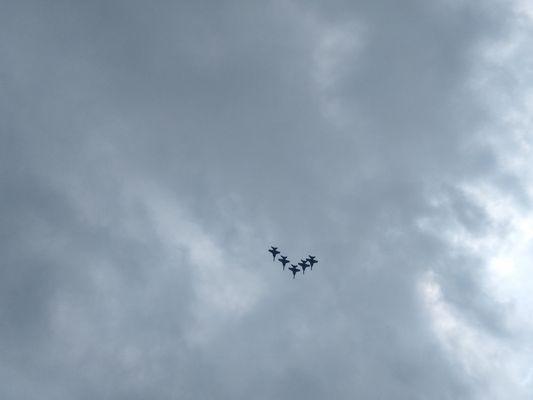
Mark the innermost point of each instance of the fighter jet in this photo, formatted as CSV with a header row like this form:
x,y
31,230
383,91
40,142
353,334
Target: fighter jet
x,y
304,265
311,260
274,251
284,261
294,270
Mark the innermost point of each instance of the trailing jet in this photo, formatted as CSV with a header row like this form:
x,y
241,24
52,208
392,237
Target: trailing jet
x,y
294,270
284,261
311,260
304,265
274,251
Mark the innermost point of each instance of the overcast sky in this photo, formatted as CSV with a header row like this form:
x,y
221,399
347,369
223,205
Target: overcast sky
x,y
151,152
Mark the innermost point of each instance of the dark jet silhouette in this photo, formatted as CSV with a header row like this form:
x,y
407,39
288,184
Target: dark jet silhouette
x,y
304,265
311,260
294,270
274,251
284,261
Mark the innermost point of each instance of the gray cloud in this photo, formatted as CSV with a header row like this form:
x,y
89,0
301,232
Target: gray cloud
x,y
151,152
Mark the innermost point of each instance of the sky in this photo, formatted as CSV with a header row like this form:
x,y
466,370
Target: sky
x,y
151,152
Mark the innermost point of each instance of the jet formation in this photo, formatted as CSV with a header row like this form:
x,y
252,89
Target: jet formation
x,y
304,263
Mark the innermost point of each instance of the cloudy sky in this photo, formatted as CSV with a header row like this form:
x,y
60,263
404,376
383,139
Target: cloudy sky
x,y
151,151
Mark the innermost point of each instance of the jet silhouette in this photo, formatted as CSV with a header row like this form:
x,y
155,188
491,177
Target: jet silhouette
x,y
304,265
294,270
284,261
311,260
274,251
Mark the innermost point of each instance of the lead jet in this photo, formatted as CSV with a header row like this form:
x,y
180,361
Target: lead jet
x,y
274,251
304,265
294,270
283,260
311,260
